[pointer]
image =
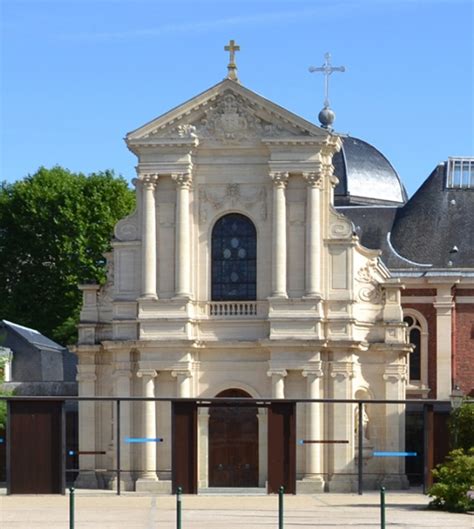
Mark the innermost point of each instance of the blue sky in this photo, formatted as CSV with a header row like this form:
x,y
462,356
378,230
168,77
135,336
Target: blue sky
x,y
77,75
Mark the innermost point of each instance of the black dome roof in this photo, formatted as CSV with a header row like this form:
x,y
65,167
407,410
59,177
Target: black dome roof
x,y
365,176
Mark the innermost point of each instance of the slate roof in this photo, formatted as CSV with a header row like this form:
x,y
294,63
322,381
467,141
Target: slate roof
x,y
365,175
435,221
419,237
33,337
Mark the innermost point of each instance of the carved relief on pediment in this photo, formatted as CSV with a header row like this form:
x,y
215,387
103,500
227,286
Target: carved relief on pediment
x,y
230,196
228,119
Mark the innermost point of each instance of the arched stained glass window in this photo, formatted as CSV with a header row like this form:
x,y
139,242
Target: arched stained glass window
x,y
234,259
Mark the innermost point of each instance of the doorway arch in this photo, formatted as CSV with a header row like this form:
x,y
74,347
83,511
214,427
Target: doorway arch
x,y
233,443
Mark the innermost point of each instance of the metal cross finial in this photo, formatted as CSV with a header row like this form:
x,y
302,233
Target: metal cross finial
x,y
327,69
232,67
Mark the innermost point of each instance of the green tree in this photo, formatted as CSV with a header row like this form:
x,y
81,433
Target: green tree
x,y
454,479
461,426
55,226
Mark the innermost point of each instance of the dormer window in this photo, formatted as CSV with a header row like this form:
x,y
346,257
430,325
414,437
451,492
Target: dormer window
x,y
460,173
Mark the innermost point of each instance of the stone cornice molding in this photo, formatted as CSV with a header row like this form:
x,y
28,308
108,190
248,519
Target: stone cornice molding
x,y
313,179
277,372
395,373
280,179
183,180
147,373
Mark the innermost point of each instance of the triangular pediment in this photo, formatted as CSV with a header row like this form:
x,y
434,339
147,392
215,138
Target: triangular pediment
x,y
226,113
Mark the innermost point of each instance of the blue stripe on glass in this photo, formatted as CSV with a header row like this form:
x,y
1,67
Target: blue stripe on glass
x,y
143,440
395,454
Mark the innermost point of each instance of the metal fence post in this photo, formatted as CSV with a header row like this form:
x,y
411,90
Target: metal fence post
x,y
360,465
71,508
117,440
281,491
179,490
382,507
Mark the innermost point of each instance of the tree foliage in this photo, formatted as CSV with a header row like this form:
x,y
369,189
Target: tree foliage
x,y
454,479
55,226
461,425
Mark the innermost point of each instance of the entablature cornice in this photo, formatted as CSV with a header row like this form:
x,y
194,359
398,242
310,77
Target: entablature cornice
x,y
166,168
162,143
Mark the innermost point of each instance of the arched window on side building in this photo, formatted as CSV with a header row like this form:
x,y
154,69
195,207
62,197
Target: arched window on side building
x,y
417,332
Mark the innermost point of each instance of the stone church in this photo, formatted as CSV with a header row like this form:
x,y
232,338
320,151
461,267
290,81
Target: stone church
x,y
264,260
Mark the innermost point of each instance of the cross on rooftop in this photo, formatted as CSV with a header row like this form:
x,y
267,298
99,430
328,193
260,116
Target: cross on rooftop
x,y
327,70
232,67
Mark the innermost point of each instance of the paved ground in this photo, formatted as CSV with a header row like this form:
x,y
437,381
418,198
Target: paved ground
x,y
136,511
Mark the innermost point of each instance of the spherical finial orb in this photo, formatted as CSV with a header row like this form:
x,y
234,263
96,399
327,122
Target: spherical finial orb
x,y
326,117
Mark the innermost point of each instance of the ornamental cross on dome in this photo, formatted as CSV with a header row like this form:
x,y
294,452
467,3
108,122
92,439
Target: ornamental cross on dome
x,y
327,70
232,67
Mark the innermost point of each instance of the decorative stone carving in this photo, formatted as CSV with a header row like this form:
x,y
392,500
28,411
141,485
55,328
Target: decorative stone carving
x,y
279,179
371,291
371,294
340,227
367,274
127,228
231,196
232,120
182,179
313,179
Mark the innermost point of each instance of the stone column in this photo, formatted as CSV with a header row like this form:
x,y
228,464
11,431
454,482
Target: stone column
x,y
278,382
444,307
395,377
122,388
148,472
279,256
149,256
86,378
183,382
313,236
341,460
313,471
183,241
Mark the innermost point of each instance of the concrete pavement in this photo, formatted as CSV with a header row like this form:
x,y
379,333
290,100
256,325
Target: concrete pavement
x,y
105,510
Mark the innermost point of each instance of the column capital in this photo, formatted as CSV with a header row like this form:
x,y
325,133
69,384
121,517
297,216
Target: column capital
x,y
183,180
277,372
316,372
342,370
185,373
313,179
395,373
149,373
280,179
146,179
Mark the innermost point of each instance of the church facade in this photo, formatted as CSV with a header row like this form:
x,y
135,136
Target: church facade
x,y
260,262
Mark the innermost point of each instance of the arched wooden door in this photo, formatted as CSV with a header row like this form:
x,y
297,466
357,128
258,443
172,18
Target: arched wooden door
x,y
233,443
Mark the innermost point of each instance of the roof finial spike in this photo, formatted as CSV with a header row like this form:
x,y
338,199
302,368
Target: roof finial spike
x,y
232,67
327,116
